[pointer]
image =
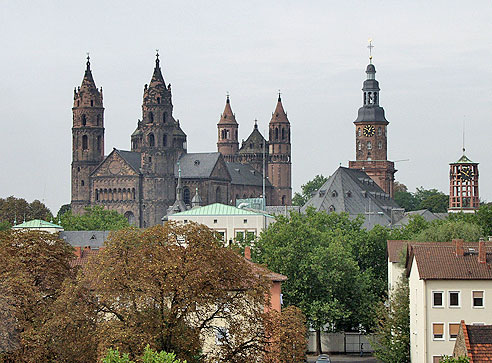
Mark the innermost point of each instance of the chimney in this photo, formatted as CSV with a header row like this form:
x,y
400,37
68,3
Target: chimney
x,y
482,252
247,253
460,250
78,252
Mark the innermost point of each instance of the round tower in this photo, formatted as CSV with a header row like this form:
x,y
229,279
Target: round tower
x,y
227,138
87,138
279,161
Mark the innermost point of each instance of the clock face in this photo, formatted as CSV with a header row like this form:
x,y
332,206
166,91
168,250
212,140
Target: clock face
x,y
466,173
114,167
369,130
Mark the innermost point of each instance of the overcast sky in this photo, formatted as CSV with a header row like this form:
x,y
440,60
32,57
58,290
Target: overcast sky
x,y
433,62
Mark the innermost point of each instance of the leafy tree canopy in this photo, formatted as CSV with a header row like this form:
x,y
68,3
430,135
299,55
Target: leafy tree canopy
x,y
13,208
431,199
149,356
94,219
307,189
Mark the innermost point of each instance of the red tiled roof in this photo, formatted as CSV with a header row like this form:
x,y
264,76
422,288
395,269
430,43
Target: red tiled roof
x,y
394,248
439,261
478,340
85,254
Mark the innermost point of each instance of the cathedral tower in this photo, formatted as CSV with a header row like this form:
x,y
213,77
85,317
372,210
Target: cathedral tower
x,y
227,142
279,163
371,137
87,138
160,142
463,186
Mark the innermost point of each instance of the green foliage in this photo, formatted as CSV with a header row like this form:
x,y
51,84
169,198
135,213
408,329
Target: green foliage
x,y
150,356
484,218
335,268
313,185
447,230
4,225
63,209
431,199
13,208
94,219
392,331
448,359
416,225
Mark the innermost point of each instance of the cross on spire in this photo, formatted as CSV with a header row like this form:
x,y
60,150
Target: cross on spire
x,y
370,46
88,60
279,94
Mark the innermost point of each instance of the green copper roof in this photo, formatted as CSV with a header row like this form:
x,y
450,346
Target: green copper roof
x,y
37,223
464,160
217,209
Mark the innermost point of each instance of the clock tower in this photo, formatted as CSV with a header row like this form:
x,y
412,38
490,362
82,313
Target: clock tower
x,y
463,186
371,136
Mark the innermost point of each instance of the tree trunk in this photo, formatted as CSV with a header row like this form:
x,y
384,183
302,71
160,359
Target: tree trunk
x,y
318,342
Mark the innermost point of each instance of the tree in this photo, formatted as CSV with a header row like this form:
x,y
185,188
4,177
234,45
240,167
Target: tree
x,y
399,187
431,199
64,209
17,209
392,331
150,356
94,219
33,267
437,203
484,218
316,251
447,230
406,200
168,286
307,189
286,333
448,359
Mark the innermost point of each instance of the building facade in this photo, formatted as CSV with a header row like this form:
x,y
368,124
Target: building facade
x,y
371,136
141,183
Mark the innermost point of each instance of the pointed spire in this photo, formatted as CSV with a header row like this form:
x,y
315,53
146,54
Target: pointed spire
x,y
88,81
279,114
256,124
157,77
228,117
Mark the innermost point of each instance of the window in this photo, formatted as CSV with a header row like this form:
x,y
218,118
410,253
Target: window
x,y
359,132
151,140
85,143
99,143
477,297
221,335
239,235
380,131
84,120
359,146
82,183
250,236
92,103
164,117
245,221
438,331
369,145
276,133
454,299
221,235
98,120
151,117
436,358
283,133
186,196
380,145
215,221
437,299
164,140
454,328
158,100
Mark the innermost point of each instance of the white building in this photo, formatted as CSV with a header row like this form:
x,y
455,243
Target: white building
x,y
448,282
231,222
39,225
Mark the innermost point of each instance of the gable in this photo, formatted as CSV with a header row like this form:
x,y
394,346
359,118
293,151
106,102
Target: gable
x,y
220,170
114,165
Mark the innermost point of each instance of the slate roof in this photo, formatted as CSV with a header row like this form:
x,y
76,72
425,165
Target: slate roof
x,y
438,261
93,239
244,174
464,160
133,158
354,192
36,223
197,165
217,209
425,213
478,341
254,143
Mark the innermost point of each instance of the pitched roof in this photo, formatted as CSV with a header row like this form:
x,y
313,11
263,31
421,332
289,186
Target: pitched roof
x,y
254,143
354,192
425,213
244,174
478,341
227,117
37,223
85,254
93,239
217,209
438,261
464,160
279,114
394,248
197,165
133,158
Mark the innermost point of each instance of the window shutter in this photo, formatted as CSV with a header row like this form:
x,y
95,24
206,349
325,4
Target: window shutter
x,y
454,329
477,294
438,329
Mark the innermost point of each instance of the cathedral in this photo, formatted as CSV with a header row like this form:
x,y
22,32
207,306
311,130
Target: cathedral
x,y
158,176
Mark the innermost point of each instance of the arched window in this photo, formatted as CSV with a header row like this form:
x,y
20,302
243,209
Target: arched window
x,y
217,195
186,196
365,98
164,140
92,103
276,133
82,183
375,98
151,140
359,132
283,133
380,145
151,117
331,208
84,120
359,146
283,199
78,103
133,193
369,145
164,117
98,120
97,194
99,143
85,142
380,131
130,217
334,194
158,100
